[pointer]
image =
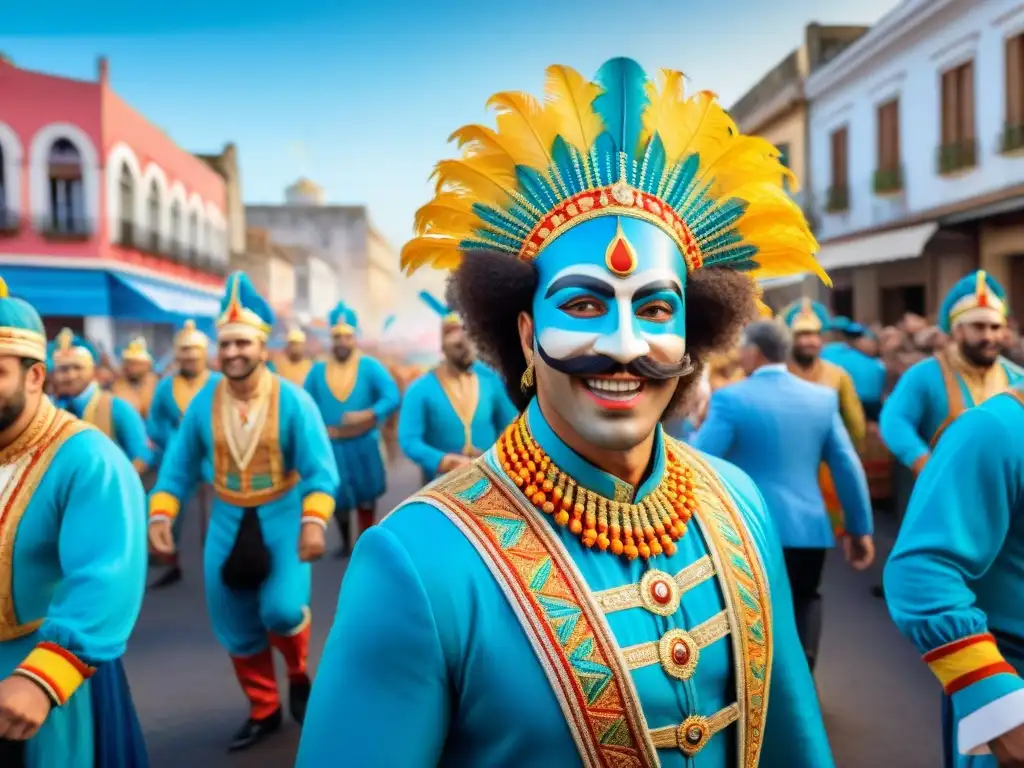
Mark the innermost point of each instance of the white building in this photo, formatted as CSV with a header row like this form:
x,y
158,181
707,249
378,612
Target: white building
x,y
365,268
917,156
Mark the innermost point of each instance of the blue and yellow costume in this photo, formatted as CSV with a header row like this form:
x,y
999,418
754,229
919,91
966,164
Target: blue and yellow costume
x,y
953,581
446,413
72,575
934,392
111,415
503,615
295,372
359,383
272,472
139,395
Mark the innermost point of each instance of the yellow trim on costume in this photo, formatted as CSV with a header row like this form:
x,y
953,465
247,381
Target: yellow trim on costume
x,y
163,504
58,671
319,505
966,661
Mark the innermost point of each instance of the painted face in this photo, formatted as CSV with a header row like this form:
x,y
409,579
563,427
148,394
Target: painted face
x,y
610,328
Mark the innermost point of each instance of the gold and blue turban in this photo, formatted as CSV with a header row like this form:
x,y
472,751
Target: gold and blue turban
x,y
22,333
449,317
976,297
70,349
243,312
343,320
806,316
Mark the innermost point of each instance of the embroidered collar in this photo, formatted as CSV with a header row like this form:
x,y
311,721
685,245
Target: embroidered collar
x,y
34,432
77,403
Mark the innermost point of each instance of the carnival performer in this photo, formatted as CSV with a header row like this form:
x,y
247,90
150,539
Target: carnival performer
x,y
274,484
72,575
74,362
355,394
170,401
781,429
967,372
294,364
136,382
455,412
807,320
953,580
589,592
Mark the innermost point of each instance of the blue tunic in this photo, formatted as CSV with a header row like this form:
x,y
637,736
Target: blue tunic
x,y
337,389
170,401
74,522
424,636
430,425
957,572
289,475
116,419
920,406
867,373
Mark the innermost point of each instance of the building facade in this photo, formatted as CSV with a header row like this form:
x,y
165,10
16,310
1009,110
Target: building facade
x,y
106,225
776,109
917,156
364,265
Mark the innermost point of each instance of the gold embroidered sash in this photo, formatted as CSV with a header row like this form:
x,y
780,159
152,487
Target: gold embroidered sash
x,y
463,395
52,428
566,626
183,390
99,412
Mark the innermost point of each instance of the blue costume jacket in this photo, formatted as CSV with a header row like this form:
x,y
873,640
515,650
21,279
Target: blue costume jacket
x,y
361,383
954,579
71,587
170,401
116,419
867,373
433,422
931,395
497,639
779,429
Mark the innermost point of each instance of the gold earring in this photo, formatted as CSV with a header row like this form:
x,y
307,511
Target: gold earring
x,y
526,380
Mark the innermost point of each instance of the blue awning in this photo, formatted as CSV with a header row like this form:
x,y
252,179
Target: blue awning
x,y
140,298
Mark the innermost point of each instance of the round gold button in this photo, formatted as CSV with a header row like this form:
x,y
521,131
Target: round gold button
x,y
659,593
678,653
692,735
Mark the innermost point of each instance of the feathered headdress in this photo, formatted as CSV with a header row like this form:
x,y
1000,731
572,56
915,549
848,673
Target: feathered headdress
x,y
975,297
449,317
243,312
806,316
618,146
69,349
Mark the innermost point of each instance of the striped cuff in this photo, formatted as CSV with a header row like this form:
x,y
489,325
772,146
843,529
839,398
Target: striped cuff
x,y
57,671
163,505
967,661
318,506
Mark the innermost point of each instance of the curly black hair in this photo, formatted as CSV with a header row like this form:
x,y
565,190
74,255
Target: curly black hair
x,y
490,290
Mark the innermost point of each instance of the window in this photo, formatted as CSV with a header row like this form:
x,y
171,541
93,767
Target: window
x,y
193,237
784,159
153,216
176,249
839,192
207,243
4,213
888,172
64,167
959,149
127,200
1013,130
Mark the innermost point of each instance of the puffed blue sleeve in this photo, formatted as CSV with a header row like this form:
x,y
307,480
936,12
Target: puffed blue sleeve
x,y
385,390
312,456
794,732
850,481
130,433
412,429
715,435
181,468
98,506
955,527
903,414
380,666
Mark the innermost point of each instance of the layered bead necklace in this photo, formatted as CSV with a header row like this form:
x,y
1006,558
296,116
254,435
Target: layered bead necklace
x,y
648,528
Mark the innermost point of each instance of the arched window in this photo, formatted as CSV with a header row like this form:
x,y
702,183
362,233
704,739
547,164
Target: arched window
x,y
176,245
67,203
193,237
5,215
208,251
127,199
153,216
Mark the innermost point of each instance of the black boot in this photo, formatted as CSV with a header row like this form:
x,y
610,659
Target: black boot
x,y
344,550
169,577
298,698
255,731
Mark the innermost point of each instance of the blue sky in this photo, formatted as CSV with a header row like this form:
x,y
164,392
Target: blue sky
x,y
361,96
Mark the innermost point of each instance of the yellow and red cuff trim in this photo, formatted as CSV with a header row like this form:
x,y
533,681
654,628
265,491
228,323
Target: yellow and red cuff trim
x,y
967,661
318,506
56,670
163,505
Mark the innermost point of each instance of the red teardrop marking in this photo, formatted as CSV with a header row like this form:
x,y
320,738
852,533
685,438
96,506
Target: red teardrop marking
x,y
621,260
983,299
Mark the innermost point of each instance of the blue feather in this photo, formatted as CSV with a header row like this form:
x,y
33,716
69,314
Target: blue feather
x,y
679,187
604,160
653,166
621,106
740,257
501,220
442,309
724,216
536,188
568,163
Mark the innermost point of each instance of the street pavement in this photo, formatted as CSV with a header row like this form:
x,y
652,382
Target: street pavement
x,y
881,704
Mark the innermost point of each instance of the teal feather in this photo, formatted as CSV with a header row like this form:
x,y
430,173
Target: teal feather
x,y
720,240
567,160
499,239
621,106
740,258
652,169
715,220
442,309
680,186
468,246
536,188
603,158
502,221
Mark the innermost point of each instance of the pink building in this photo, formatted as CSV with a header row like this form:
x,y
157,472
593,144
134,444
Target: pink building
x,y
106,225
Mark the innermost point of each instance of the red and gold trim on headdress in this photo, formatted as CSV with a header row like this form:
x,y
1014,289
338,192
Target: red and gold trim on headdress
x,y
190,337
983,305
238,322
806,319
18,341
66,352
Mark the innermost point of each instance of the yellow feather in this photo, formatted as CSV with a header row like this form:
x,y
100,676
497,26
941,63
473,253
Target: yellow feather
x,y
474,178
525,128
449,213
479,140
702,127
436,252
569,97
664,113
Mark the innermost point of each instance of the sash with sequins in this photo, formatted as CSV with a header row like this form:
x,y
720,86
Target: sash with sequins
x,y
568,630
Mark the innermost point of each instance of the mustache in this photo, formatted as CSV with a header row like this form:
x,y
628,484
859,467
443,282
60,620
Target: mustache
x,y
644,367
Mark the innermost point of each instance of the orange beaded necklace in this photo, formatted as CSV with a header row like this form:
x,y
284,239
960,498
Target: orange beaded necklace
x,y
645,529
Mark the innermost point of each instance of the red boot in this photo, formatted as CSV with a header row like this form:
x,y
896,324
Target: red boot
x,y
256,676
294,647
365,519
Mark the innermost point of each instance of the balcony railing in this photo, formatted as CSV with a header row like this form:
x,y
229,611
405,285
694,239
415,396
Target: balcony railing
x,y
957,156
1012,138
65,228
838,199
886,181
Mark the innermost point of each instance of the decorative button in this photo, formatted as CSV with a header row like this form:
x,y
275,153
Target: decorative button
x,y
693,734
659,593
678,653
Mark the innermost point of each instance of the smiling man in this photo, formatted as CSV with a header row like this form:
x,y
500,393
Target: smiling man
x,y
589,591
